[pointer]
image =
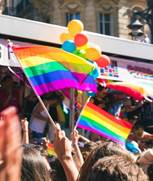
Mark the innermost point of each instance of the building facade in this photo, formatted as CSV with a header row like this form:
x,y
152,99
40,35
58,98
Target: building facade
x,y
109,17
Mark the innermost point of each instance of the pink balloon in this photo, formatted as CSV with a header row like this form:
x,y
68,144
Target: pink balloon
x,y
103,61
80,39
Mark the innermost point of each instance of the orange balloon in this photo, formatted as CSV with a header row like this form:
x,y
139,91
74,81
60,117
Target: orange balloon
x,y
103,61
93,53
75,26
64,37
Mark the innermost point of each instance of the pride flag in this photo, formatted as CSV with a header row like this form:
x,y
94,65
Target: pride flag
x,y
50,150
50,69
100,122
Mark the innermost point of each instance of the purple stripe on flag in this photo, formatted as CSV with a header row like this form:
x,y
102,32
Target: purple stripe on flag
x,y
101,134
56,85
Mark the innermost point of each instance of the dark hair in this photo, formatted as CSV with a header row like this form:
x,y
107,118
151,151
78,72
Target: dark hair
x,y
116,168
7,77
150,172
54,96
88,147
105,149
34,166
57,173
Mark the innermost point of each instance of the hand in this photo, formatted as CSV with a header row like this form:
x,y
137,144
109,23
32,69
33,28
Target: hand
x,y
62,144
10,145
75,137
24,124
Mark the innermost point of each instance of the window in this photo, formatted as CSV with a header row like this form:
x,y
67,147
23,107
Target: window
x,y
70,16
105,23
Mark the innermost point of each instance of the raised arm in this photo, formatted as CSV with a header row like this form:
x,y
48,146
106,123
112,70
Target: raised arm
x,y
63,149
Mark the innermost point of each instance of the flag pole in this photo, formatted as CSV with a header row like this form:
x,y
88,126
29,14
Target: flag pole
x,y
81,112
45,109
72,108
39,98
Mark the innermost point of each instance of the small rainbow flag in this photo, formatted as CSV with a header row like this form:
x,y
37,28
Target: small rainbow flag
x,y
50,150
50,69
100,122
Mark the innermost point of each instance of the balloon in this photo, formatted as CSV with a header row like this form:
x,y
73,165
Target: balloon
x,y
93,53
75,26
103,61
79,53
64,37
80,39
91,94
69,46
84,47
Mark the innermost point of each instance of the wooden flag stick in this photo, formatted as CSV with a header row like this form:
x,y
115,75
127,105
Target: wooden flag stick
x,y
81,112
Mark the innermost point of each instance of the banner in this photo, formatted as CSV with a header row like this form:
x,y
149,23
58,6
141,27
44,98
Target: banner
x,y
122,69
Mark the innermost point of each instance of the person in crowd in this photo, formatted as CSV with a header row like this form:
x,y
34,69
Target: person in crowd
x,y
57,171
114,168
140,136
130,108
116,104
106,148
10,94
10,145
150,172
25,131
77,155
63,149
87,148
39,117
34,166
30,102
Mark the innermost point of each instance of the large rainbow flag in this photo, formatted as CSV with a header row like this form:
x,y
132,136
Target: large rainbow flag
x,y
100,122
50,69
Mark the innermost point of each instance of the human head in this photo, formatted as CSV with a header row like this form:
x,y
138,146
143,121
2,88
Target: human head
x,y
53,97
58,173
7,81
105,149
150,172
146,157
34,166
115,168
87,148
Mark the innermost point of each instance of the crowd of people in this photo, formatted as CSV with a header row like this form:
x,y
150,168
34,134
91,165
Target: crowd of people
x,y
77,155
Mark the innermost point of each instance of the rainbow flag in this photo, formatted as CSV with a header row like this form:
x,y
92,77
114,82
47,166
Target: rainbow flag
x,y
50,150
50,69
100,122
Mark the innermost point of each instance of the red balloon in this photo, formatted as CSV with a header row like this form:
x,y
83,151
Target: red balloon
x,y
103,61
80,39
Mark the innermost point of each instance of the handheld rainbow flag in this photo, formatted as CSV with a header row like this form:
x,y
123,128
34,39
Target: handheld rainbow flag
x,y
100,122
50,69
50,150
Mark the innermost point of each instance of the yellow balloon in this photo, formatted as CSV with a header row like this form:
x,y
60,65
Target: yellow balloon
x,y
84,47
75,26
93,53
64,37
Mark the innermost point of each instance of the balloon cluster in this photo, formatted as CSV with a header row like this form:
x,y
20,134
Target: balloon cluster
x,y
76,41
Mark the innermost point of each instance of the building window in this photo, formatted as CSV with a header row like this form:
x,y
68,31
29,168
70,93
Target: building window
x,y
70,16
105,23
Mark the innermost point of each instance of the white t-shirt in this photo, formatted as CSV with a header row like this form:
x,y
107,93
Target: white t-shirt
x,y
37,124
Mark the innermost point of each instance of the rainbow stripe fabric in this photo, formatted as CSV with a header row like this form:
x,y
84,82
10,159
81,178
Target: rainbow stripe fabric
x,y
50,150
50,69
100,122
